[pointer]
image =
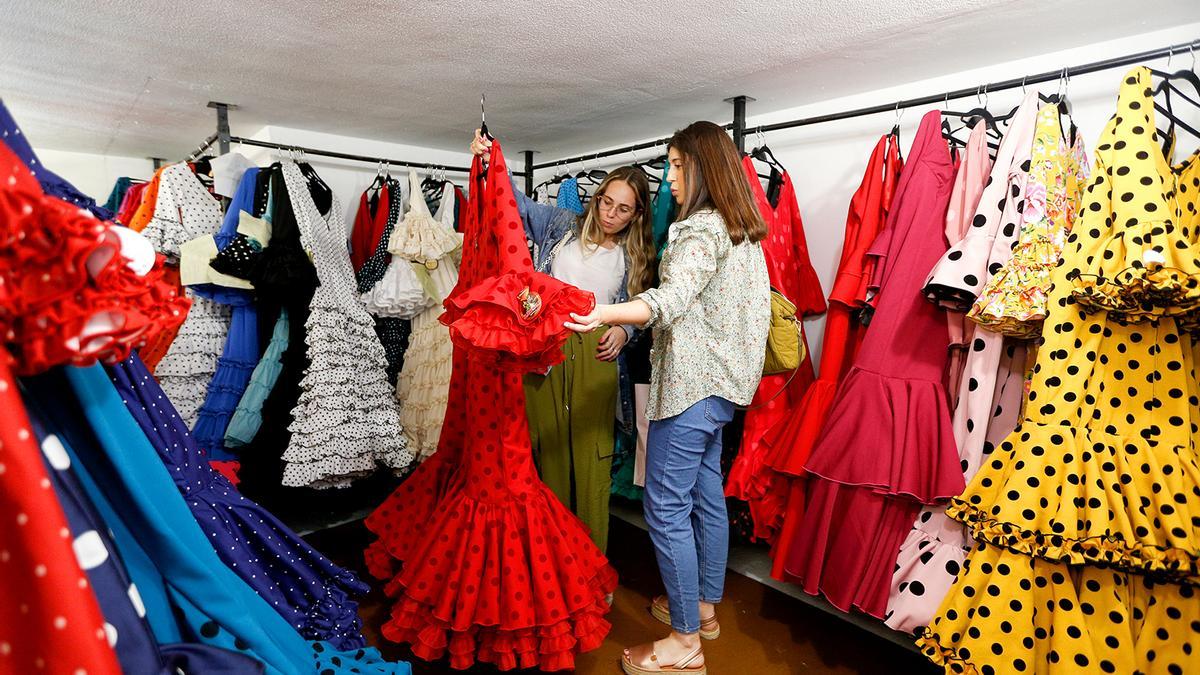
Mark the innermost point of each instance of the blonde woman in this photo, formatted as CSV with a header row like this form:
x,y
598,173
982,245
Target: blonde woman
x,y
608,250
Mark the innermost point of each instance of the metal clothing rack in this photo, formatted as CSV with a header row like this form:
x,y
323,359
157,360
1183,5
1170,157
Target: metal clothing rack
x,y
739,128
224,139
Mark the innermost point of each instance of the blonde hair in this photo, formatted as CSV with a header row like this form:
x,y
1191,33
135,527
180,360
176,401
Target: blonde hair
x,y
637,237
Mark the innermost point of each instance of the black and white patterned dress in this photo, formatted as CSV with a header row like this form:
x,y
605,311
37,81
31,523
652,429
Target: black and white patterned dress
x,y
185,210
345,419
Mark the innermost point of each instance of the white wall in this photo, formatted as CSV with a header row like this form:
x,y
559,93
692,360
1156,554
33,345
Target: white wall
x,y
826,161
94,175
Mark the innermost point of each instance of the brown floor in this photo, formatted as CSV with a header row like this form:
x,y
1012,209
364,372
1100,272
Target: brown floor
x,y
763,631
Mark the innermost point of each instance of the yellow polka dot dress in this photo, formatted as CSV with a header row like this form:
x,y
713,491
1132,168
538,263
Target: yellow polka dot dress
x,y
1087,517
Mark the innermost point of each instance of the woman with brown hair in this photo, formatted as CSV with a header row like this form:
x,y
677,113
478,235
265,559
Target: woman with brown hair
x,y
710,314
608,250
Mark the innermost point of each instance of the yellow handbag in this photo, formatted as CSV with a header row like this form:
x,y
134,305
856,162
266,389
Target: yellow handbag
x,y
785,349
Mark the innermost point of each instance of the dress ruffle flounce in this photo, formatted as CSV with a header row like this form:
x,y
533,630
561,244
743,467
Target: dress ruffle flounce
x,y
1091,522
69,261
1091,619
513,580
791,442
345,420
490,320
912,418
538,615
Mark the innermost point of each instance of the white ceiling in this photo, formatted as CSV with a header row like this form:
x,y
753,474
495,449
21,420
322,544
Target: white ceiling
x,y
132,77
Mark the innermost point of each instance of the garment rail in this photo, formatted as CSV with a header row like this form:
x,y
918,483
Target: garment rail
x,y
1048,76
346,155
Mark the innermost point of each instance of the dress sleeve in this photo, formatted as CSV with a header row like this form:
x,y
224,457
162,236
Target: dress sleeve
x,y
812,298
165,228
694,253
543,222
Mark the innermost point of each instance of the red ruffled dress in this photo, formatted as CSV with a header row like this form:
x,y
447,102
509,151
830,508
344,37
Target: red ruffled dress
x,y
791,442
67,295
888,446
791,272
483,562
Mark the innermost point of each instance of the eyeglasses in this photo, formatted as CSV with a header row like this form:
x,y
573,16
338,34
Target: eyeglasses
x,y
612,206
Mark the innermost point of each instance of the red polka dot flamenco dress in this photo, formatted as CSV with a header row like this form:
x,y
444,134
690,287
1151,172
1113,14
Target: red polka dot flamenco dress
x,y
483,562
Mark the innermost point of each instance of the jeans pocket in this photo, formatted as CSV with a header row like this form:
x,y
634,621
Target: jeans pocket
x,y
718,411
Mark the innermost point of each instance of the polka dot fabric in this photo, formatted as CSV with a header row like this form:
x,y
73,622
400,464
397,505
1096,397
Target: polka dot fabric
x,y
393,332
1146,264
501,572
1088,514
345,421
49,619
186,210
309,591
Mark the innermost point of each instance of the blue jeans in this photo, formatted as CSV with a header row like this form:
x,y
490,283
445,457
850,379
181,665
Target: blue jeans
x,y
685,507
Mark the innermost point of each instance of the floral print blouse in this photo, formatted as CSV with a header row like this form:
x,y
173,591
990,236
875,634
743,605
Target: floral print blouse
x,y
710,313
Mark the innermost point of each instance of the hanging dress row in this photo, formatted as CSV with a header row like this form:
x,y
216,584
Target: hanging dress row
x,y
1085,553
89,461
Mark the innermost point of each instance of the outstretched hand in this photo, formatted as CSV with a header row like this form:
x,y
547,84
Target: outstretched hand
x,y
586,323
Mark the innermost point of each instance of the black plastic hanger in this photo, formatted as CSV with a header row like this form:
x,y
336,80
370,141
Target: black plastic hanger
x,y
763,154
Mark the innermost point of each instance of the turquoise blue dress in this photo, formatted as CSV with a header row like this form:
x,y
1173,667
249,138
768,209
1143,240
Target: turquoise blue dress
x,y
247,419
189,593
568,196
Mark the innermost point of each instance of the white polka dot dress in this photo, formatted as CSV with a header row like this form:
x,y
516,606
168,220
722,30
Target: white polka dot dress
x,y
185,210
346,419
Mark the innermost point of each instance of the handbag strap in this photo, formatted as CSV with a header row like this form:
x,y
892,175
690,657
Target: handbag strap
x,y
773,396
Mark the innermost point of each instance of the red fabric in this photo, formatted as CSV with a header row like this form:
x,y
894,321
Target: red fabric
x,y
157,345
49,618
499,571
887,447
791,441
67,295
368,227
791,272
50,621
130,203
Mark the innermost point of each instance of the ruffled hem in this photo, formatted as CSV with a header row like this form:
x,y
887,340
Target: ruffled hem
x,y
845,547
1063,466
1152,280
519,585
790,443
1014,301
909,447
996,619
1173,564
547,648
333,616
328,472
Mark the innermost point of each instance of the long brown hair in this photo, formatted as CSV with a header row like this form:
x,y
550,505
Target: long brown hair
x,y
637,237
714,179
